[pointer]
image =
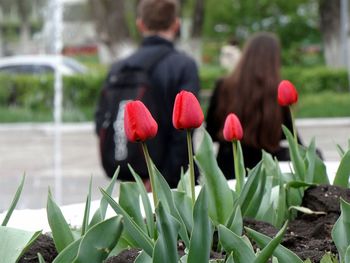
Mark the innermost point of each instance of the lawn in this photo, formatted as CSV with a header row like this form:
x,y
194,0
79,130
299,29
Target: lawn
x,y
325,104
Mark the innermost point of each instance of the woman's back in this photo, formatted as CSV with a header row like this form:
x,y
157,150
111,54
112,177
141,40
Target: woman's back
x,y
251,93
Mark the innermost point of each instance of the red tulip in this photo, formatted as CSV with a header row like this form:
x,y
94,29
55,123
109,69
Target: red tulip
x,y
187,112
139,124
232,129
287,94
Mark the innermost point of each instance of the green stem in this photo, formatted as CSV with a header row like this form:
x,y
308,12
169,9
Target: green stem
x,y
190,160
237,174
293,125
150,172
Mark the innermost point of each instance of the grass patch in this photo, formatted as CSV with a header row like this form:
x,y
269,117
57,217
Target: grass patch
x,y
15,114
323,104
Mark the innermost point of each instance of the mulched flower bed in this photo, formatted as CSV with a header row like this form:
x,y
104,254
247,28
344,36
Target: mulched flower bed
x,y
309,236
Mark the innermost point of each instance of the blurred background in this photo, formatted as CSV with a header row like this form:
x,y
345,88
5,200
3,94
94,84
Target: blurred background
x,y
92,34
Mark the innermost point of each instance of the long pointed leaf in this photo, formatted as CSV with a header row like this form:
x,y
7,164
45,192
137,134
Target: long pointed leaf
x,y
143,258
146,204
341,229
268,250
61,233
14,202
283,254
165,194
220,197
40,258
69,253
200,242
298,163
343,172
135,232
235,244
100,213
14,242
99,240
165,249
85,223
129,200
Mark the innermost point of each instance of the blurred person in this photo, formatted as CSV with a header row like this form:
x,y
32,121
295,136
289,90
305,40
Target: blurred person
x,y
251,93
230,55
169,71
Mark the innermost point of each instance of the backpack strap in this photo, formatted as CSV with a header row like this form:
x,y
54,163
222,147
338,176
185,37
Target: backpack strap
x,y
149,64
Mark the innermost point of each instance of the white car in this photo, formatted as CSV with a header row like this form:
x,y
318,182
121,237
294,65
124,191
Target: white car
x,y
40,64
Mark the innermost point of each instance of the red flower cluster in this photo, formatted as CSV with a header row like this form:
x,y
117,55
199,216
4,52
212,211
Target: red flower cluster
x,y
287,94
187,113
232,128
139,124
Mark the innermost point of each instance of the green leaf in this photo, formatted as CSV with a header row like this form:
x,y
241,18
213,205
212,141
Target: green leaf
x,y
236,245
253,191
184,184
61,233
340,150
14,202
200,243
146,204
69,253
283,254
139,238
328,258
165,249
341,230
237,223
347,255
14,242
343,172
297,161
85,223
230,259
268,250
220,197
40,258
311,159
100,213
99,240
165,194
143,257
129,200
184,202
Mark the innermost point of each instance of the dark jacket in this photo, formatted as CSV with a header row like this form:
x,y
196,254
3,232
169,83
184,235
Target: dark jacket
x,y
173,73
251,154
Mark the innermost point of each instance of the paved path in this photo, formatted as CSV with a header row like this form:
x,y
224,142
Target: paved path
x,y
29,148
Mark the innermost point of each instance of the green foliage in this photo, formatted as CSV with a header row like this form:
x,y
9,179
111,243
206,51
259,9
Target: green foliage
x,y
14,242
341,231
13,203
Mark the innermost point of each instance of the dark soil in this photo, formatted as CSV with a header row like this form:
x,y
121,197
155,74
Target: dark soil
x,y
309,236
43,245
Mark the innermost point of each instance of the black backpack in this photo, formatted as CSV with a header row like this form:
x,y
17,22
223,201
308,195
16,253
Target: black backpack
x,y
128,83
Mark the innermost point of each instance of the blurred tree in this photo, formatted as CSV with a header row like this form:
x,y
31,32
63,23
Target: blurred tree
x,y
330,28
24,11
111,24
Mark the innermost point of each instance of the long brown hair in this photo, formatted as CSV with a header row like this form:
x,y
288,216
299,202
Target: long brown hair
x,y
251,92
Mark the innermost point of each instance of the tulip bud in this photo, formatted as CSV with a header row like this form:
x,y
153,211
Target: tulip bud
x,y
139,124
232,129
287,94
187,113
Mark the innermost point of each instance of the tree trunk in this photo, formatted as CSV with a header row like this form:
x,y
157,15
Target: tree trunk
x,y
111,27
330,29
23,12
198,19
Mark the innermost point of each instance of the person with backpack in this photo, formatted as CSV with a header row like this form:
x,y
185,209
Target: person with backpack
x,y
154,74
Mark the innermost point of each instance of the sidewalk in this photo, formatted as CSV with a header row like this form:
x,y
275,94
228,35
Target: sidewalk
x,y
28,148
